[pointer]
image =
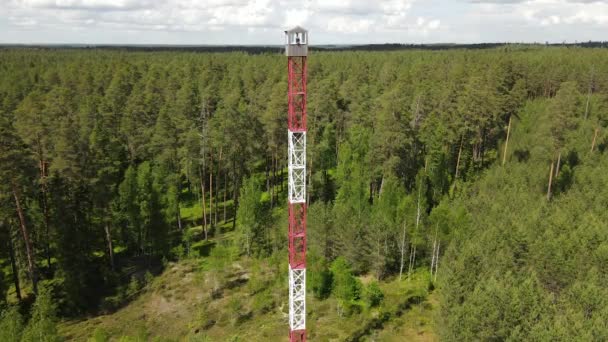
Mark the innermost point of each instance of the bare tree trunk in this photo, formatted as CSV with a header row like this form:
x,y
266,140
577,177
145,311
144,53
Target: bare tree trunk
x,y
204,114
276,177
273,172
281,174
437,259
402,247
47,235
15,270
109,241
26,238
413,253
204,205
458,159
559,162
417,111
433,256
418,209
45,211
597,130
225,193
267,172
550,181
412,260
211,194
217,185
140,239
504,154
380,270
247,244
235,188
587,104
179,217
44,201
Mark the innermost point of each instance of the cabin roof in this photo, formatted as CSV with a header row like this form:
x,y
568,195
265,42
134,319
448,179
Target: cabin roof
x,y
297,29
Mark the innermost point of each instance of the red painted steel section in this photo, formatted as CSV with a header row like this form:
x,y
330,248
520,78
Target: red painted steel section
x,y
297,336
297,235
296,121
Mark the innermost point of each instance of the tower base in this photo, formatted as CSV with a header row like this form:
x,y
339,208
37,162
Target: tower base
x,y
297,336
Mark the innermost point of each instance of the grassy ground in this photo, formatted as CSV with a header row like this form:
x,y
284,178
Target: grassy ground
x,y
416,325
190,301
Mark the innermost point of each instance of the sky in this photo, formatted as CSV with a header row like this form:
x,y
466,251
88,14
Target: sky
x,y
262,22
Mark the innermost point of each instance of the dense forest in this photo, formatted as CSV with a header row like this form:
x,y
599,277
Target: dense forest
x,y
480,171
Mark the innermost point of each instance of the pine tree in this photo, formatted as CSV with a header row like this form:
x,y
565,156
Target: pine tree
x,y
566,110
129,211
74,238
150,212
107,157
352,207
249,216
35,128
385,226
3,288
42,326
16,168
11,324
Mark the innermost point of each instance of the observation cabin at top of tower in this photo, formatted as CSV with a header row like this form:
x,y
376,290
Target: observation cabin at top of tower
x,y
296,42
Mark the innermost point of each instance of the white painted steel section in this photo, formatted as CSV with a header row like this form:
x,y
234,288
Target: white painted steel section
x,y
297,167
297,299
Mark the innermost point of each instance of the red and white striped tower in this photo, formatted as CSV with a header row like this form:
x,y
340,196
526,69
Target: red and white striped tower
x,y
296,49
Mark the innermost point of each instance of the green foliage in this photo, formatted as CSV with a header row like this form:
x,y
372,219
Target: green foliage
x,y
263,302
42,326
3,288
248,218
133,288
564,110
321,230
222,256
154,234
373,294
352,207
235,308
141,336
346,286
198,338
148,278
524,275
11,324
319,278
386,224
100,335
129,213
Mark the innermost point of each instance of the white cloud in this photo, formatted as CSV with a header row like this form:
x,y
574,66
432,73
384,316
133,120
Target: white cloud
x,y
554,12
342,17
330,21
85,4
296,16
345,24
